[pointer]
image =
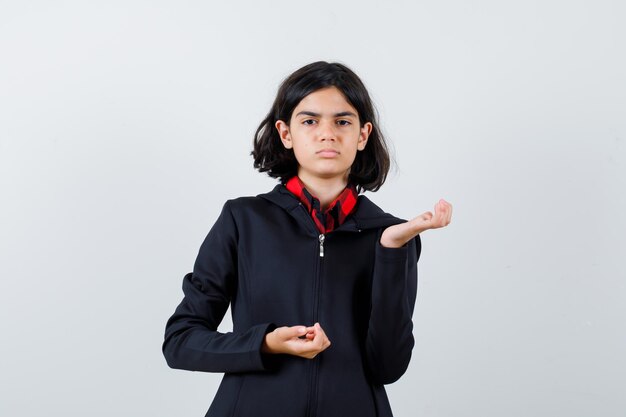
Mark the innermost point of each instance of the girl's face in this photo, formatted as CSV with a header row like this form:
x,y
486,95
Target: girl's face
x,y
324,134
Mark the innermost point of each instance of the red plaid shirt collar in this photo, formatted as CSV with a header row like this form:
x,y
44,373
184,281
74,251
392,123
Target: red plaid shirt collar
x,y
337,211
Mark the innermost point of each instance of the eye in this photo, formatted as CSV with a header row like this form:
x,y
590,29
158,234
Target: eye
x,y
344,122
306,122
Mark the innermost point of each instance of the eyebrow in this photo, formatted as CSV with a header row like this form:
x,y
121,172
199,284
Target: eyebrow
x,y
340,114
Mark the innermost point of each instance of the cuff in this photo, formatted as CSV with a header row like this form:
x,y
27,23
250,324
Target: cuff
x,y
264,360
391,254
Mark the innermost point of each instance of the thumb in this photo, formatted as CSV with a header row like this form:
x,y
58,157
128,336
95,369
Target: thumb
x,y
293,331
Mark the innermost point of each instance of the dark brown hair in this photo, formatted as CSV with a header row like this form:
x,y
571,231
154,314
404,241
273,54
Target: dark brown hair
x,y
371,165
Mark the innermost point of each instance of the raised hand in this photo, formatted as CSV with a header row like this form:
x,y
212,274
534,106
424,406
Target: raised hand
x,y
301,341
397,235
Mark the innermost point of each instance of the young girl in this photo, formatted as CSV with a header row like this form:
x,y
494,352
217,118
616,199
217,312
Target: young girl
x,y
321,282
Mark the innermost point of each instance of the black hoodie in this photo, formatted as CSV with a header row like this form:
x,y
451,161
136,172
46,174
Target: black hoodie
x,y
266,258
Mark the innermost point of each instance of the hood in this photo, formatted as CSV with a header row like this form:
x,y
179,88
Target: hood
x,y
366,215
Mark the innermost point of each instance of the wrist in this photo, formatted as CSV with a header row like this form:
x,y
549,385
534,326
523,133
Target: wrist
x,y
386,243
267,346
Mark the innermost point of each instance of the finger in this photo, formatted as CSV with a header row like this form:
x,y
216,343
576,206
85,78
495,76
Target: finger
x,y
426,216
304,348
447,211
324,342
443,212
311,348
309,335
439,214
319,334
318,328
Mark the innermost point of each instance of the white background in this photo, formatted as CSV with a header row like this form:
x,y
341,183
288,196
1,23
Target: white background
x,y
124,126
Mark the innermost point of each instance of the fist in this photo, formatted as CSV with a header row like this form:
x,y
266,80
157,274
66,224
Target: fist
x,y
306,342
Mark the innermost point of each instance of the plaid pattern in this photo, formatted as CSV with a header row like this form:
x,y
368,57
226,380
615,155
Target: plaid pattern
x,y
337,211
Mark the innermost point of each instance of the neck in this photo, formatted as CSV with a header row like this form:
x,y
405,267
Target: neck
x,y
325,189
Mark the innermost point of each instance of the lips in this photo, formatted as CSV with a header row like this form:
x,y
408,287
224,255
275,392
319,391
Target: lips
x,y
328,152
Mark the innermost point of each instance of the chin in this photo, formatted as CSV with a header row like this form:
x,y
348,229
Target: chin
x,y
331,174
327,169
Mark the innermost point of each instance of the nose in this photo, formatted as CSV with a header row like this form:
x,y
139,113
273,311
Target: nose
x,y
326,130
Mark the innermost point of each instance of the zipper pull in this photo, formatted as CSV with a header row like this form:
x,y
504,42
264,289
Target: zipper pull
x,y
321,238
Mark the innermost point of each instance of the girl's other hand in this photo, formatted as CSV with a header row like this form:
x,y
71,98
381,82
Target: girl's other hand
x,y
399,234
302,341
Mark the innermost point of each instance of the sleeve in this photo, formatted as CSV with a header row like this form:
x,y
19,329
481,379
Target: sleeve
x,y
389,340
192,341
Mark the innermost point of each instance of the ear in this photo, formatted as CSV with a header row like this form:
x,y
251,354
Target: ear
x,y
284,134
363,135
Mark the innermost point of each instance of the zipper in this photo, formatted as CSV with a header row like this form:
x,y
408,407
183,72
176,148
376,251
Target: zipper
x,y
316,306
320,237
314,363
